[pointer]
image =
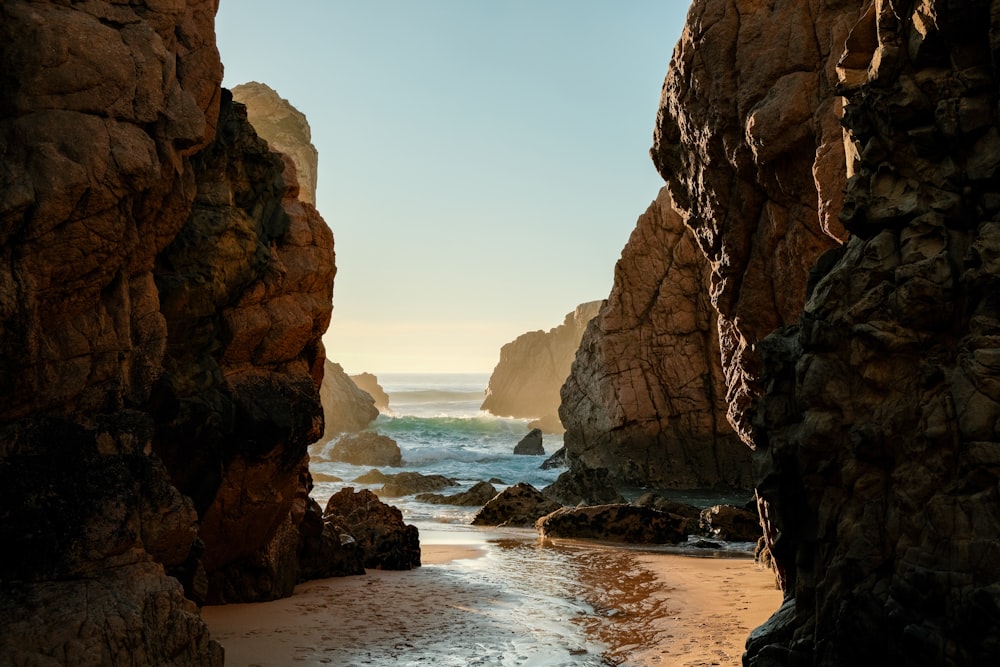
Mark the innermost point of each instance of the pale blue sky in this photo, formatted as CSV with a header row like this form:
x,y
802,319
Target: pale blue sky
x,y
481,163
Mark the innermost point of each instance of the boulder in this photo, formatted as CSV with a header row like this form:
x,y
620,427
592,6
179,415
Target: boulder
x,y
557,460
646,395
519,506
368,383
583,487
346,408
614,523
730,523
531,444
663,504
366,448
386,542
480,494
326,547
373,476
410,483
532,368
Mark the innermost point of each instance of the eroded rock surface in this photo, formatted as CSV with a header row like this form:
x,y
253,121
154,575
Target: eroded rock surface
x,y
519,505
878,460
368,383
646,396
614,523
533,367
366,449
386,541
346,407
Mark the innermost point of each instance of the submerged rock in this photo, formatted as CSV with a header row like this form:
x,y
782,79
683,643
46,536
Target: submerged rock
x,y
531,444
366,448
614,523
557,460
480,494
519,505
386,542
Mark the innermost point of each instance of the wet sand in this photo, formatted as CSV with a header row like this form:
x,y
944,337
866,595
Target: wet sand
x,y
591,605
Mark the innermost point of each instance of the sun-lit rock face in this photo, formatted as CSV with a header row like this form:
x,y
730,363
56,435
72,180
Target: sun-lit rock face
x,y
646,396
532,368
285,128
878,445
749,142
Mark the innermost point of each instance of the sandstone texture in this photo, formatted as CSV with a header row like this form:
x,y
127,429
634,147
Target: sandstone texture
x,y
646,398
368,383
533,367
163,292
878,451
285,129
366,449
346,407
844,188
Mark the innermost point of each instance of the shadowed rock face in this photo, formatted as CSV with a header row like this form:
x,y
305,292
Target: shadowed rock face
x,y
532,368
878,447
162,297
646,396
347,408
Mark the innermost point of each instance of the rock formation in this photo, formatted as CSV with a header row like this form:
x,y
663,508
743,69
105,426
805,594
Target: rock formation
x,y
531,444
285,128
477,496
614,523
646,396
366,449
519,505
368,383
533,367
346,407
873,417
163,293
386,542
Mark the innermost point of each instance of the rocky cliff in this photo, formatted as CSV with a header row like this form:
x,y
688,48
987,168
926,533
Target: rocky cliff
x,y
532,368
874,415
162,296
285,128
646,395
346,406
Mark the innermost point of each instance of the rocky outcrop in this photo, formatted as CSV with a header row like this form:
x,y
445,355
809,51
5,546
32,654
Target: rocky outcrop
x,y
366,449
518,506
477,496
163,293
285,129
533,367
103,107
588,486
730,523
614,523
346,407
531,444
368,383
873,416
385,540
410,483
877,432
646,396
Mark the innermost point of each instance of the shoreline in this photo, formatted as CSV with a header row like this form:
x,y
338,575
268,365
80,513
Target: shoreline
x,y
625,606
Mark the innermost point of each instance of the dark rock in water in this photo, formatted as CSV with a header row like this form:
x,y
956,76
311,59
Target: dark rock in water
x,y
530,444
669,506
480,494
497,480
729,523
519,505
323,477
373,476
326,548
366,449
557,460
346,408
368,383
705,544
614,523
386,542
410,483
584,487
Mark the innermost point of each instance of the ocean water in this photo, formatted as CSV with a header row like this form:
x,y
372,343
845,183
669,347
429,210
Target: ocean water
x,y
550,602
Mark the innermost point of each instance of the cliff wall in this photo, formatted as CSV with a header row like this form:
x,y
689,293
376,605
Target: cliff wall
x,y
646,395
526,381
162,296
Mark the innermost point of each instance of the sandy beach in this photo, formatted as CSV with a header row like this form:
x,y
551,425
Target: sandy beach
x,y
602,606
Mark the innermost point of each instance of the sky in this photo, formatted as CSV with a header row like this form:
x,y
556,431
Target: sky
x,y
481,163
